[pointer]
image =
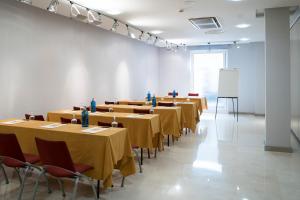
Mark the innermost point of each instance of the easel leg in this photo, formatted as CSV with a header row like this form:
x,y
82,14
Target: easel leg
x,y
217,108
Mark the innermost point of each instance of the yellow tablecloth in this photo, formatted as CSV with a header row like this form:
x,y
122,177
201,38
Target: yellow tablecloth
x,y
201,103
190,115
144,130
104,151
170,117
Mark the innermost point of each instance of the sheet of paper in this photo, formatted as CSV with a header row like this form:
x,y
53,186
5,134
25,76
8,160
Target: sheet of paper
x,y
55,125
14,122
94,130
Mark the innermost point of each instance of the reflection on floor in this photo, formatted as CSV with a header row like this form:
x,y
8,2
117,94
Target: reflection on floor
x,y
222,160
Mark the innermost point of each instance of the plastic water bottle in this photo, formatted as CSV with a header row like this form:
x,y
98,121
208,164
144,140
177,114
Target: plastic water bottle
x,y
114,123
153,101
174,93
85,118
148,96
93,105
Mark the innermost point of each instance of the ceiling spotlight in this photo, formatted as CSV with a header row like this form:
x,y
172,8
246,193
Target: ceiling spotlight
x,y
94,18
26,1
76,13
184,47
155,41
243,25
236,45
53,6
141,35
115,26
130,34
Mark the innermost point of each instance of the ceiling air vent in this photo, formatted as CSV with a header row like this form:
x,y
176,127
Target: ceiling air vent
x,y
206,23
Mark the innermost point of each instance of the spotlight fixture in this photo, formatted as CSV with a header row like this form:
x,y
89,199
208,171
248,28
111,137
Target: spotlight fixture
x,y
155,41
141,35
26,1
130,34
76,13
184,47
115,26
53,6
209,47
236,44
94,18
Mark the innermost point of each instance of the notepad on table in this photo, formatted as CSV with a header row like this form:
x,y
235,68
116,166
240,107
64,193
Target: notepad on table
x,y
94,130
55,125
14,121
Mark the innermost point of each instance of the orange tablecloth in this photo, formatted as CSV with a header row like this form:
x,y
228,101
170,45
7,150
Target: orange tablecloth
x,y
144,130
190,115
170,117
104,150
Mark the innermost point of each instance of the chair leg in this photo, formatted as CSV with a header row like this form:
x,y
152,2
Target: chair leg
x,y
23,183
123,180
36,185
139,160
93,187
155,152
168,140
5,175
75,188
62,188
19,176
98,189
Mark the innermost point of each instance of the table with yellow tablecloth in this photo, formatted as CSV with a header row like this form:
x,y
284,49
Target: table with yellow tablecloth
x,y
170,117
190,114
144,130
201,103
104,150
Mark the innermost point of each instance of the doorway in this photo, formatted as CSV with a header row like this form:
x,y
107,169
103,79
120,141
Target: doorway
x,y
205,73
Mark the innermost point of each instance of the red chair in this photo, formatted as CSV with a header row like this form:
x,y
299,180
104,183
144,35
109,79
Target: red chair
x,y
102,109
193,94
68,121
171,94
104,124
36,117
166,104
12,156
110,102
135,104
141,111
57,162
76,108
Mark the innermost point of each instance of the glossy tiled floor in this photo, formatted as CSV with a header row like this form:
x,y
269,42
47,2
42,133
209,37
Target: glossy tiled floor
x,y
223,160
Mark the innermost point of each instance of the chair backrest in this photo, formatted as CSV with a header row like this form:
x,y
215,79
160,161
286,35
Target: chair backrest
x,y
10,147
141,111
193,94
120,125
55,153
135,104
110,102
171,94
166,104
36,117
102,109
76,108
68,121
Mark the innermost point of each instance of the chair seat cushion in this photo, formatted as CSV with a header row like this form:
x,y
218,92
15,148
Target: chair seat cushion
x,y
61,172
11,162
32,159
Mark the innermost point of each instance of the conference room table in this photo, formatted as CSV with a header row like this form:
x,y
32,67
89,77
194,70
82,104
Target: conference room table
x,y
170,117
144,130
105,149
190,114
201,102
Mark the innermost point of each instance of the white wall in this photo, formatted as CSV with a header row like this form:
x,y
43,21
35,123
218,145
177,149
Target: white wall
x,y
174,72
51,62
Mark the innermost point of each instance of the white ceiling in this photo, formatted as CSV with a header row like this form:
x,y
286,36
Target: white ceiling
x,y
164,15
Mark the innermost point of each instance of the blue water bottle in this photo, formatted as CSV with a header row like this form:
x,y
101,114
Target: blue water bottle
x,y
93,105
153,101
148,96
174,93
85,118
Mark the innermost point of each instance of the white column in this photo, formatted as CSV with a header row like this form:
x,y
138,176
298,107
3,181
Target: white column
x,y
278,111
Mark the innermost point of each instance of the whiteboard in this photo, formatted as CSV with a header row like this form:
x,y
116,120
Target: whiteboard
x,y
229,82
